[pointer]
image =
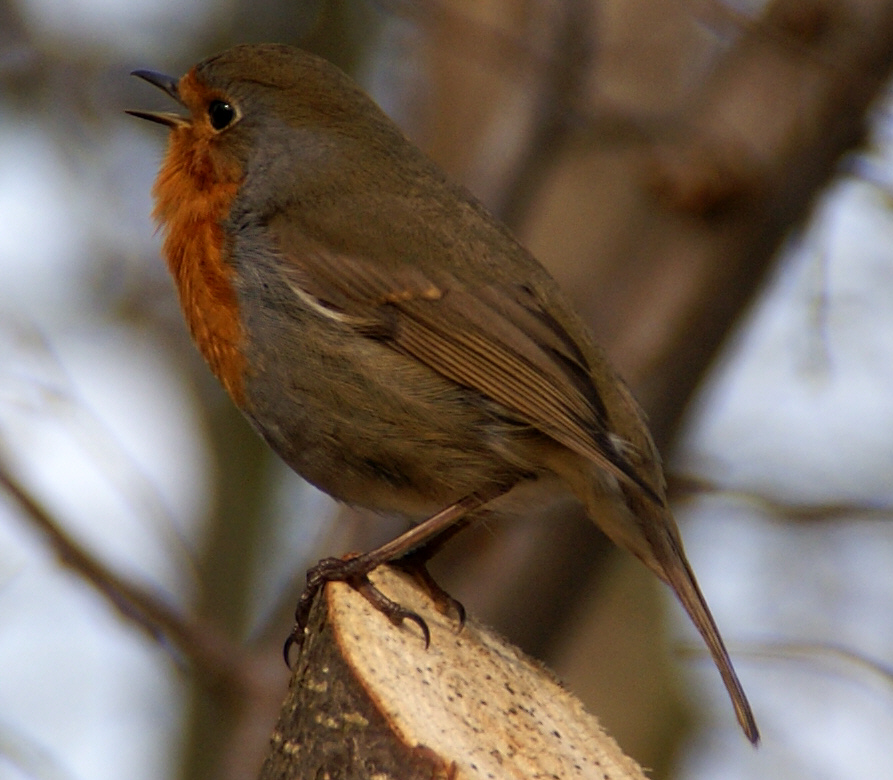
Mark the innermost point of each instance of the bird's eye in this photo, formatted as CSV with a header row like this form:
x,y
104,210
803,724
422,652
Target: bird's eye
x,y
221,114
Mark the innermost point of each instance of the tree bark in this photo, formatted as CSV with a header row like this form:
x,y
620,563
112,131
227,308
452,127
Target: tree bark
x,y
369,700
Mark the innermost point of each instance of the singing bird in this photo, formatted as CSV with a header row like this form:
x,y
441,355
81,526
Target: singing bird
x,y
389,338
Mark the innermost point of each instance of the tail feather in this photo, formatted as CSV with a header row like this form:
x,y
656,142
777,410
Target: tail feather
x,y
678,575
657,543
647,529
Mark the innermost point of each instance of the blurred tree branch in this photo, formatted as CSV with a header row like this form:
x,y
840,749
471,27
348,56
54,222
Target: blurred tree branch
x,y
202,644
735,176
224,669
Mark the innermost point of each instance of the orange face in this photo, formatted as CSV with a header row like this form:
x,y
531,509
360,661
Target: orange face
x,y
194,192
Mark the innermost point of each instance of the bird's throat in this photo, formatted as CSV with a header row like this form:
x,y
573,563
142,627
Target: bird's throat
x,y
193,196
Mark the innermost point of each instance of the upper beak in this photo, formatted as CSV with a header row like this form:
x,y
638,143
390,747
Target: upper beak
x,y
166,84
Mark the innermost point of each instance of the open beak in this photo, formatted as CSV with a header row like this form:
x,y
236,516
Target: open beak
x,y
166,84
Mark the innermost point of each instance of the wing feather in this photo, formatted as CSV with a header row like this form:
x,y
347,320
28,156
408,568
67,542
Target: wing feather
x,y
497,339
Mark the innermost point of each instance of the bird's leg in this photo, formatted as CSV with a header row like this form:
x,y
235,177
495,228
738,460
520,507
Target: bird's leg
x,y
354,569
415,563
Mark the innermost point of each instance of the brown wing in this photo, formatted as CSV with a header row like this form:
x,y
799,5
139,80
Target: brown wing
x,y
496,339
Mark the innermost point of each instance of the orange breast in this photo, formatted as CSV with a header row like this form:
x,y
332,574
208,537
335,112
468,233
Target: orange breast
x,y
193,194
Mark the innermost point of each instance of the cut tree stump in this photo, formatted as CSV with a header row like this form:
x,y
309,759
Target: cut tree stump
x,y
368,701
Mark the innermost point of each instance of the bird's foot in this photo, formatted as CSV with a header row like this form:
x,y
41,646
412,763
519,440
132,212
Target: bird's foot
x,y
414,564
354,570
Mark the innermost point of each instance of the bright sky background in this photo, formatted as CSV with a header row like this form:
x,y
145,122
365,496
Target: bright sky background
x,y
800,412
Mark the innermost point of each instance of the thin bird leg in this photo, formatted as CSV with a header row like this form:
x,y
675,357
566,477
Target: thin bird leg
x,y
415,563
354,569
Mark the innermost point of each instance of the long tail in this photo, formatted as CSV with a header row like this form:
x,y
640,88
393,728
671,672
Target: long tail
x,y
646,528
667,560
677,573
649,532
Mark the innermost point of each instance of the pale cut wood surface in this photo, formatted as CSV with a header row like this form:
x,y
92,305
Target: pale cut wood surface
x,y
369,701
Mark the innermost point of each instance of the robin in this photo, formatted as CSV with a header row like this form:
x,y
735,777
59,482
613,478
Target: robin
x,y
388,337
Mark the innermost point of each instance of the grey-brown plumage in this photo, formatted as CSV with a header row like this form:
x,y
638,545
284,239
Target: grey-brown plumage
x,y
396,345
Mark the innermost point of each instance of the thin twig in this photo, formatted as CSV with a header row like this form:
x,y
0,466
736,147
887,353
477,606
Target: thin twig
x,y
809,651
202,643
685,487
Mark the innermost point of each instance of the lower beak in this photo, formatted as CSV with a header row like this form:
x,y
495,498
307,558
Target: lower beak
x,y
166,84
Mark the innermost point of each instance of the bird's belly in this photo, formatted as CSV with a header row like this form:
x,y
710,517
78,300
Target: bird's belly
x,y
376,428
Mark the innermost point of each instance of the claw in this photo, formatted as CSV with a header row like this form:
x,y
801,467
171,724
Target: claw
x,y
395,612
445,603
414,547
294,639
354,569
